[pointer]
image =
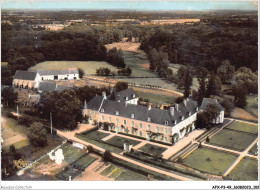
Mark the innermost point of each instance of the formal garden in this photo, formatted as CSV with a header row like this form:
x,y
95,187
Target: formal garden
x,y
152,149
232,139
119,141
246,170
210,160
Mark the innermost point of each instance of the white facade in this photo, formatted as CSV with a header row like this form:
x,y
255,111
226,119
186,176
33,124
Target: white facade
x,y
219,119
60,77
20,83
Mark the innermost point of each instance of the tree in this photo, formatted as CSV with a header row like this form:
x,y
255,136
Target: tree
x,y
226,71
81,73
153,57
245,77
202,74
213,111
187,81
228,105
240,95
179,100
213,86
121,86
37,134
107,155
202,120
9,96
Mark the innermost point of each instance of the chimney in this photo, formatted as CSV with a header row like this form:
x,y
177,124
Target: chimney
x,y
85,104
177,107
104,95
125,104
149,106
172,110
185,102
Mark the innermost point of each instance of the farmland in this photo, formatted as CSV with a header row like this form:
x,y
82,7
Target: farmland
x,y
89,67
209,160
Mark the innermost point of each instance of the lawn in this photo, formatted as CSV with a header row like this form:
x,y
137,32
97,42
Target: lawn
x,y
100,144
244,127
252,104
209,160
89,67
253,150
96,135
152,149
232,139
246,170
71,153
119,141
155,98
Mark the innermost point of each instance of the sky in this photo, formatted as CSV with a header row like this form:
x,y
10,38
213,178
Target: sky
x,y
129,5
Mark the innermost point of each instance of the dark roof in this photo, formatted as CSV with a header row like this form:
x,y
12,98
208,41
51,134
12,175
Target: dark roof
x,y
207,101
47,86
61,88
95,103
122,96
59,72
25,75
142,113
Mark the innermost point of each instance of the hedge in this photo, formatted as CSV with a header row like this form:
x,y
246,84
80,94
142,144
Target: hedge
x,y
130,135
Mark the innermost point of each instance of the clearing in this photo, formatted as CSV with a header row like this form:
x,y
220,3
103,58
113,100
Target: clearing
x,y
209,160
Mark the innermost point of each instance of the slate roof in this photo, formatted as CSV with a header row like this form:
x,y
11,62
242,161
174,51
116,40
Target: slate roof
x,y
25,75
50,87
122,96
59,72
207,101
142,113
47,86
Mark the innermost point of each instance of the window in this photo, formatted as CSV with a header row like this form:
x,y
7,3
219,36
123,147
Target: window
x,y
140,133
149,119
166,131
133,95
141,125
125,122
182,118
42,78
117,120
117,113
102,110
189,113
149,128
110,119
133,124
166,139
133,131
157,137
132,115
157,129
166,122
126,98
197,108
175,122
103,117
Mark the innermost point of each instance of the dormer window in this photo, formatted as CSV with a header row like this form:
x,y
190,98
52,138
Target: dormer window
x,y
197,108
102,110
132,115
166,122
117,113
133,95
189,113
175,122
149,119
126,98
118,101
182,118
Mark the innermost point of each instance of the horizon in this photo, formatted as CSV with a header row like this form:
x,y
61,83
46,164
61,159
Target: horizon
x,y
131,6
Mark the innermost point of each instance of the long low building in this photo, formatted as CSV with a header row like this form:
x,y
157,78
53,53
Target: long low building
x,y
32,79
166,126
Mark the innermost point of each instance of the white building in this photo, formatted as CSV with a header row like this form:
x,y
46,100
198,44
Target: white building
x,y
26,79
64,74
128,96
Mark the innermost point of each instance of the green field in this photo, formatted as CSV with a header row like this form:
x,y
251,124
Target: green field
x,y
89,67
119,141
244,127
152,149
252,104
209,160
96,135
155,98
254,150
246,170
100,144
232,139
